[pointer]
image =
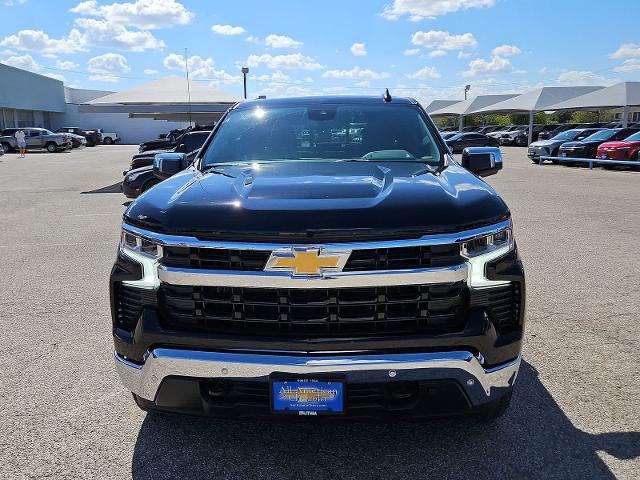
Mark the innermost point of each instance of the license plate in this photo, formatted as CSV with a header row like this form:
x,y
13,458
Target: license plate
x,y
603,157
563,154
307,397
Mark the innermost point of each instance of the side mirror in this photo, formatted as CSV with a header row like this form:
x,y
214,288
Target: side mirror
x,y
166,165
483,161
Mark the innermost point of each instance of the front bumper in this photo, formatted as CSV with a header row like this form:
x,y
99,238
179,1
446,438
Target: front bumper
x,y
177,380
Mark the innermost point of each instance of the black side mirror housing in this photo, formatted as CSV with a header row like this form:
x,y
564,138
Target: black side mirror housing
x,y
483,161
166,165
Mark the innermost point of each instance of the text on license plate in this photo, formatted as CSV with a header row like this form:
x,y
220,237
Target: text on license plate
x,y
308,396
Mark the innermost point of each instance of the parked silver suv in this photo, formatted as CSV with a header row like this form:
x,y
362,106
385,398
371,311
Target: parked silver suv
x,y
35,138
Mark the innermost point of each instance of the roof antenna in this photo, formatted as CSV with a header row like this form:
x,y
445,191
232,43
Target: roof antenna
x,y
387,96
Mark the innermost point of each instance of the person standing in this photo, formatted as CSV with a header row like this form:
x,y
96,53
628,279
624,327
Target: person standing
x,y
22,143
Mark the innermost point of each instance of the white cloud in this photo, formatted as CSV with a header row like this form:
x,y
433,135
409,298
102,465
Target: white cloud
x,y
102,33
281,41
363,84
39,41
11,3
295,90
575,77
201,69
141,14
291,61
104,78
411,51
420,9
630,65
463,55
358,49
440,40
356,72
425,73
227,30
506,51
150,71
437,53
66,65
25,62
627,50
109,64
252,39
480,66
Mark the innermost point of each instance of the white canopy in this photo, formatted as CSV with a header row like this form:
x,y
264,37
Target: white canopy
x,y
469,106
537,100
625,94
166,98
168,90
438,104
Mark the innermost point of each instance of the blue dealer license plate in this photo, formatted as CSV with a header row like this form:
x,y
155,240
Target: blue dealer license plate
x,y
307,397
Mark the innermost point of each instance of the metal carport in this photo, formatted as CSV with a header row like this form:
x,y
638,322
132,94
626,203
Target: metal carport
x,y
469,106
621,95
537,100
166,99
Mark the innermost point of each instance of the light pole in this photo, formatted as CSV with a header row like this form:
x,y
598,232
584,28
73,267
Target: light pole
x,y
466,89
245,70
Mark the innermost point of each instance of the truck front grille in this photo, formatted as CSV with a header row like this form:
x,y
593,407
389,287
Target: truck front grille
x,y
312,312
359,260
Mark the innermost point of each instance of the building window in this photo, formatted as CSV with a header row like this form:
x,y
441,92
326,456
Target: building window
x,y
25,118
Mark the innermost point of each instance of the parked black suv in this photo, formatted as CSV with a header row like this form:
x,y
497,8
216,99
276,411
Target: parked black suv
x,y
321,256
189,142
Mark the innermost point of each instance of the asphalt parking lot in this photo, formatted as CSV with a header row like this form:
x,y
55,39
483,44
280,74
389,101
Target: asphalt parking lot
x,y
65,415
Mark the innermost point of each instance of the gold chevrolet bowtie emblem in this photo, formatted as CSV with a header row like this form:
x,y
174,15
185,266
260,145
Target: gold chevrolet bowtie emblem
x,y
306,261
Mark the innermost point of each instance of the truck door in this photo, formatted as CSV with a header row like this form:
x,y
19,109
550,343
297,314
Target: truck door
x,y
33,138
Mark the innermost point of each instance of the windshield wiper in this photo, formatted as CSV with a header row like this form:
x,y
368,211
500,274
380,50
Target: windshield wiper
x,y
214,169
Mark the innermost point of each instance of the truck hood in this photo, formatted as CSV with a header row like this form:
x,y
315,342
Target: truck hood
x,y
317,199
619,144
547,143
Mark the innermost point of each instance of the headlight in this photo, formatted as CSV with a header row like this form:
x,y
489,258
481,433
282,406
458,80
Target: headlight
x,y
147,253
133,176
483,249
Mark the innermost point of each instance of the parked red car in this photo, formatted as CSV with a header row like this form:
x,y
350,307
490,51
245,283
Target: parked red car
x,y
627,149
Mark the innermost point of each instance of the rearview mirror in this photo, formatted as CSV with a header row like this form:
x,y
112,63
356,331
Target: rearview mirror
x,y
483,161
166,165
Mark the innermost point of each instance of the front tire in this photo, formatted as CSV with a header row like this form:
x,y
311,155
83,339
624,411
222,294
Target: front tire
x,y
107,141
52,147
6,148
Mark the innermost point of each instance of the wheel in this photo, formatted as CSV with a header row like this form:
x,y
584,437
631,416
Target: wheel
x,y
6,148
496,409
51,147
107,141
90,144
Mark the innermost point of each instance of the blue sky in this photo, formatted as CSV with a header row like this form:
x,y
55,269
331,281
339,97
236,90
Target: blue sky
x,y
423,48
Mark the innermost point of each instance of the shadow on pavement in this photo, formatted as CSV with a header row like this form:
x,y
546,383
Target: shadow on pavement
x,y
533,440
115,188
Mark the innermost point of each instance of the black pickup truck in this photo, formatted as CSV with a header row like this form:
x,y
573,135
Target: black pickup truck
x,y
321,256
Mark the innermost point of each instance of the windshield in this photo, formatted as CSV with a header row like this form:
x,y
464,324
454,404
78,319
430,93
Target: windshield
x,y
567,135
633,138
601,135
333,132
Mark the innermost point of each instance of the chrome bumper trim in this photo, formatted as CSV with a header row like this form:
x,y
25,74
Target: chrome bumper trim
x,y
262,279
480,384
435,239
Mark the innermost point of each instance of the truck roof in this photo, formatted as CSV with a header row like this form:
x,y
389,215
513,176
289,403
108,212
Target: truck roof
x,y
324,99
